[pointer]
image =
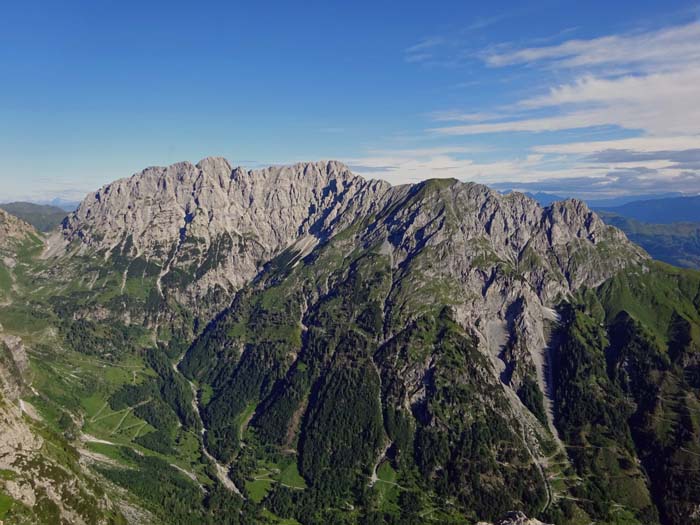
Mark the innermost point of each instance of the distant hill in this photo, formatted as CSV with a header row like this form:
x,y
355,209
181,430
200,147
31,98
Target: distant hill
x,y
676,243
42,216
62,203
545,199
659,211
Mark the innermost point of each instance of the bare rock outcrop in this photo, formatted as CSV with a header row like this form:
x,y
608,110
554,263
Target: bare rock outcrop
x,y
208,229
216,224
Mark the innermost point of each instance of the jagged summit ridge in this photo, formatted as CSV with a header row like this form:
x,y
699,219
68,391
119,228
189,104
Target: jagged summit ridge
x,y
215,221
220,225
155,206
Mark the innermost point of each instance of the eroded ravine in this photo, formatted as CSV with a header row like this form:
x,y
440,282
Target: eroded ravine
x,y
221,470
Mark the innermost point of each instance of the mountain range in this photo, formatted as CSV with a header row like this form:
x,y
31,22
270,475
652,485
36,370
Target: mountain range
x,y
666,226
660,211
43,217
209,344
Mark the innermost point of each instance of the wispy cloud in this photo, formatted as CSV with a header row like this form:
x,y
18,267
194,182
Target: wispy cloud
x,y
644,83
630,181
422,51
412,165
449,50
424,44
664,48
637,144
484,22
640,84
654,103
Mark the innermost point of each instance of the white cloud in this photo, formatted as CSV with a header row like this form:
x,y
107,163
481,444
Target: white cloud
x,y
409,166
663,48
638,144
656,104
658,96
421,52
644,83
581,119
424,44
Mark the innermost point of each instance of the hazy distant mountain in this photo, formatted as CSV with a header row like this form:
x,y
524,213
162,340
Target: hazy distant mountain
x,y
64,204
545,199
676,243
660,211
42,216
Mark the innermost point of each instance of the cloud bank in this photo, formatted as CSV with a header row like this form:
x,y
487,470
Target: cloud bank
x,y
642,86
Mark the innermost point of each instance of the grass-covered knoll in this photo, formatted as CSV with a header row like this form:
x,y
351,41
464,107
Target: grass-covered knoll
x,y
654,295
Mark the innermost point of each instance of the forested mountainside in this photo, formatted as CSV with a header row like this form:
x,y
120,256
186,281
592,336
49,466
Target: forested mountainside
x,y
298,345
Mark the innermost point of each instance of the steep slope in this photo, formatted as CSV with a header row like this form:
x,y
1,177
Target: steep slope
x,y
42,479
627,392
16,237
442,297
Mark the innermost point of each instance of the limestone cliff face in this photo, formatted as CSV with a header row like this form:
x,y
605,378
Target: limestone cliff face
x,y
216,223
508,260
222,225
165,207
208,229
202,232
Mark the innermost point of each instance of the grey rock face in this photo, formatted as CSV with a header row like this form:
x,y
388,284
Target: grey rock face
x,y
504,261
217,223
218,226
175,216
215,227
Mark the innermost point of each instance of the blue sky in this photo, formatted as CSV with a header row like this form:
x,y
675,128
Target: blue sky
x,y
592,98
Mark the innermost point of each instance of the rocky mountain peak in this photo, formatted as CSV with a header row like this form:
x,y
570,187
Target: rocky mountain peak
x,y
220,225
